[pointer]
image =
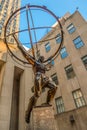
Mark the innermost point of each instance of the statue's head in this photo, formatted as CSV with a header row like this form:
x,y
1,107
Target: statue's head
x,y
41,59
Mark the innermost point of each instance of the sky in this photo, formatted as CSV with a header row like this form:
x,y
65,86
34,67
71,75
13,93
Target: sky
x,y
58,7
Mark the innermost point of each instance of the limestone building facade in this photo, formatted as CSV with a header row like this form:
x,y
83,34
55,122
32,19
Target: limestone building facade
x,y
69,72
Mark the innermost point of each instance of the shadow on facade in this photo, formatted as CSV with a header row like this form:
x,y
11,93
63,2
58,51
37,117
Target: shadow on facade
x,y
15,99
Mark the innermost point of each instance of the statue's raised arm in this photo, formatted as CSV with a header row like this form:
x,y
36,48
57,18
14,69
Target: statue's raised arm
x,y
28,57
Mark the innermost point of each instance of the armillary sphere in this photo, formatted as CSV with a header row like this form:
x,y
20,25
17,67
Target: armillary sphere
x,y
30,30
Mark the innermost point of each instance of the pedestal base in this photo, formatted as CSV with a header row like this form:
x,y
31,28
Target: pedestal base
x,y
43,118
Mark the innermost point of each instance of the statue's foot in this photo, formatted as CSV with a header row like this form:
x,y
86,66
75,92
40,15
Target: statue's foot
x,y
27,117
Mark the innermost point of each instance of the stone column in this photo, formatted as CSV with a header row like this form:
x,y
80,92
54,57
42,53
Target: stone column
x,y
43,118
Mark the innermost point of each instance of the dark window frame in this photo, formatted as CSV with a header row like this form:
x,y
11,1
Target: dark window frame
x,y
71,28
63,54
78,99
78,42
58,39
84,60
70,72
55,78
47,47
51,62
60,105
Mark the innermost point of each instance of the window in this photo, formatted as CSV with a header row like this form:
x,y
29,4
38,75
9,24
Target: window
x,y
59,105
71,28
51,62
54,78
12,40
6,6
8,30
63,53
4,15
47,47
2,21
5,10
78,98
14,22
58,38
0,26
13,30
0,31
69,72
2,2
7,2
84,59
0,7
78,42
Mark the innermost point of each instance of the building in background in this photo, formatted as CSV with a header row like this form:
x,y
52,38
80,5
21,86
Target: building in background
x,y
69,72
7,7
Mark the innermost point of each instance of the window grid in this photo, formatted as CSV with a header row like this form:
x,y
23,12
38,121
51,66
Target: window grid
x,y
55,79
78,98
84,59
1,5
47,47
59,105
51,62
78,42
69,72
12,40
71,28
58,38
63,53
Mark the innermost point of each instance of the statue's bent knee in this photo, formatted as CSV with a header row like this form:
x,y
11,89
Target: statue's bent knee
x,y
51,94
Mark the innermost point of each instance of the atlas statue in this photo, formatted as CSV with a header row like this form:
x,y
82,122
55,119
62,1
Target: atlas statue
x,y
41,81
39,66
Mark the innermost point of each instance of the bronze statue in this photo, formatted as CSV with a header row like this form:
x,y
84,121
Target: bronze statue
x,y
40,80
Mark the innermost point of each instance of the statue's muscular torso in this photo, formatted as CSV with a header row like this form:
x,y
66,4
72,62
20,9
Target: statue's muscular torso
x,y
39,67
